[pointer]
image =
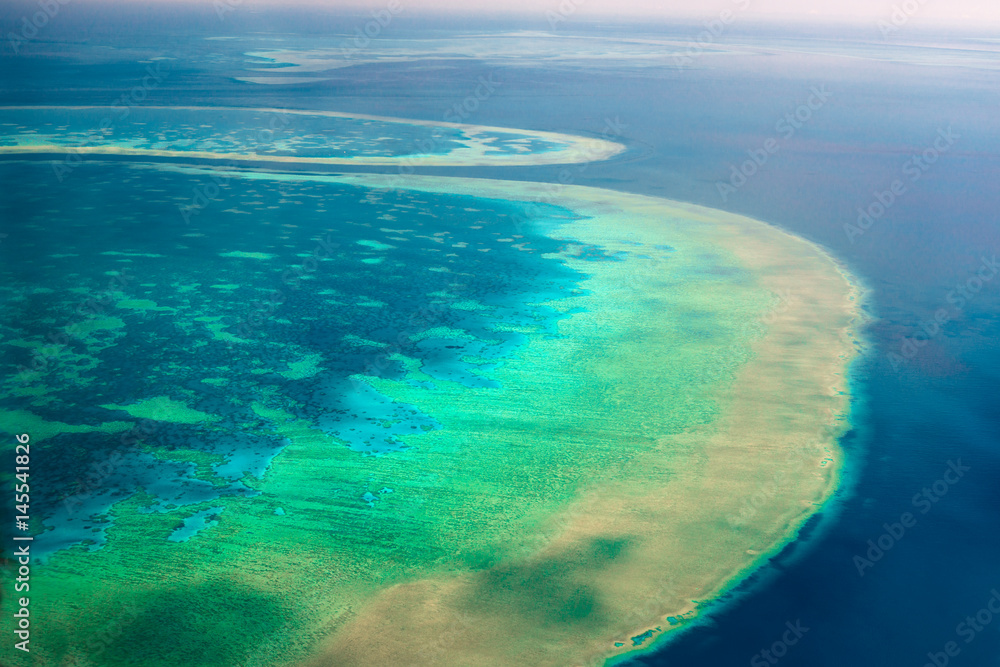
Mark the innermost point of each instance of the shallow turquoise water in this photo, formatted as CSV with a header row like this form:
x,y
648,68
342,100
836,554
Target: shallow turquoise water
x,y
689,126
272,287
265,132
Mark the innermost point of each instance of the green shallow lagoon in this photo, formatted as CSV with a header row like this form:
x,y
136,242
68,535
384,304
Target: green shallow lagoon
x,y
487,422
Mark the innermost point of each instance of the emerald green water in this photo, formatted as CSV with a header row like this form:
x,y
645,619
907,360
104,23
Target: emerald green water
x,y
250,418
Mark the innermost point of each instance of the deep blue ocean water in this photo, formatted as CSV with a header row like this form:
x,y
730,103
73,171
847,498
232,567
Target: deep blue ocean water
x,y
686,128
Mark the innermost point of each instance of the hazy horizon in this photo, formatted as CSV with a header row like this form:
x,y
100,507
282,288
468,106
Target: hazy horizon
x,y
970,14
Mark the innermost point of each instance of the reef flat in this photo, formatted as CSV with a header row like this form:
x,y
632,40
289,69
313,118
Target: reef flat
x,y
284,136
692,422
496,423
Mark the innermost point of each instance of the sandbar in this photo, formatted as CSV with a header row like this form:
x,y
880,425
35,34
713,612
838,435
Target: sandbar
x,y
666,526
569,149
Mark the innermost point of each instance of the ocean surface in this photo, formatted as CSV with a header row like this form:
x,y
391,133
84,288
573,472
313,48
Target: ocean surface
x,y
903,128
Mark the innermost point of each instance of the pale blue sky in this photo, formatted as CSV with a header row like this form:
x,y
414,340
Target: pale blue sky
x,y
927,12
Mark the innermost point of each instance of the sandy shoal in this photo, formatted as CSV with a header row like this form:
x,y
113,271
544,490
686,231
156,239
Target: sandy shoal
x,y
571,149
689,535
